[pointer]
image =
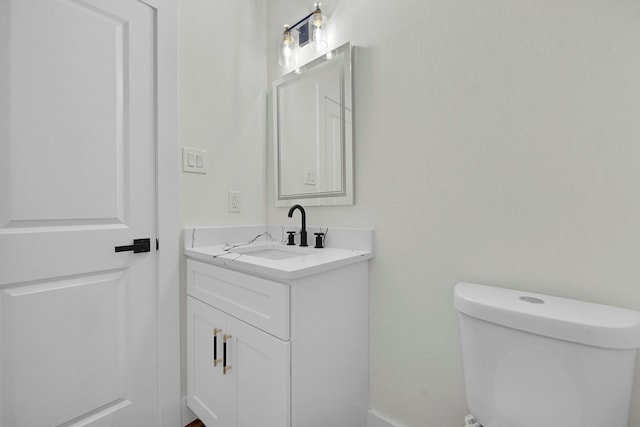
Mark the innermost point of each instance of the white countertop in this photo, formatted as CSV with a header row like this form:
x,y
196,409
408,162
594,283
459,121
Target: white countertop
x,y
306,261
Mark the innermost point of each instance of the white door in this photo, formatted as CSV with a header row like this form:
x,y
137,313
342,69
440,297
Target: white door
x,y
78,335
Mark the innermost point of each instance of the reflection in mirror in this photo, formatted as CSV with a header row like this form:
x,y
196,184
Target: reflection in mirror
x,y
313,133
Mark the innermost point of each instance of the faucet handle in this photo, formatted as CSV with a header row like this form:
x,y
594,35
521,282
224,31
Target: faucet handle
x,y
291,238
319,240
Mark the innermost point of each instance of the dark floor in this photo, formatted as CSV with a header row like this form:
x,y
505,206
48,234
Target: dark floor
x,y
196,423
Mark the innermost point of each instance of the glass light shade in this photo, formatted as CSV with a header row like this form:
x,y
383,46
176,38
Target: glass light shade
x,y
318,28
287,49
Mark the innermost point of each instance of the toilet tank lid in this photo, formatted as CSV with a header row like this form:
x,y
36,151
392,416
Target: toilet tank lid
x,y
561,318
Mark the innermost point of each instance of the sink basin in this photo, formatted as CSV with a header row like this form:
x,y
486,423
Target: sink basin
x,y
268,253
242,249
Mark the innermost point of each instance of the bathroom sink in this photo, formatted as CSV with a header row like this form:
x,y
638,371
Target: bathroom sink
x,y
244,249
269,253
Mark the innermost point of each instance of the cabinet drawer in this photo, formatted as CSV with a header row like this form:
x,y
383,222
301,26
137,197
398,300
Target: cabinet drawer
x,y
259,302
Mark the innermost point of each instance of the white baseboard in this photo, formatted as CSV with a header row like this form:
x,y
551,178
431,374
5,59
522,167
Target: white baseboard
x,y
376,420
187,414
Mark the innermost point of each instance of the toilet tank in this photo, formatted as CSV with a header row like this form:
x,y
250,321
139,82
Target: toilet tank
x,y
533,360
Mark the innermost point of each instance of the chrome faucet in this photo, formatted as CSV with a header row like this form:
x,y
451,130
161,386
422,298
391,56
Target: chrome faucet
x,y
303,230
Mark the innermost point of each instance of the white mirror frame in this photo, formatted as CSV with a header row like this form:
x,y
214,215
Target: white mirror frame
x,y
345,195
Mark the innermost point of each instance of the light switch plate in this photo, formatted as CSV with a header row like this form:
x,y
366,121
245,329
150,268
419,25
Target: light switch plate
x,y
194,160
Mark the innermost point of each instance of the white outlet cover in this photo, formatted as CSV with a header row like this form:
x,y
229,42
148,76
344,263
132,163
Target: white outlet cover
x,y
234,201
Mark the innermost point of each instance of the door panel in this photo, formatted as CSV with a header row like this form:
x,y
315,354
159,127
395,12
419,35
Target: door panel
x,y
208,387
56,355
262,376
78,107
78,321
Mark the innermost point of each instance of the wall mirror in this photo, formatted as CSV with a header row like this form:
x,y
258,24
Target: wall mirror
x,y
313,132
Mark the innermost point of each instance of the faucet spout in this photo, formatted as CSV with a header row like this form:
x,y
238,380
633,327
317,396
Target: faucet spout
x,y
303,230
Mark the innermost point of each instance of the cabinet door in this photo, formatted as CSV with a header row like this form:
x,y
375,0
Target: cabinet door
x,y
207,387
260,364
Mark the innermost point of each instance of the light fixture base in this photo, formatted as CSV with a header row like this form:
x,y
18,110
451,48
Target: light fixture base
x,y
303,34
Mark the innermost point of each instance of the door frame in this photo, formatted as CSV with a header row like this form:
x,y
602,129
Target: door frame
x,y
167,214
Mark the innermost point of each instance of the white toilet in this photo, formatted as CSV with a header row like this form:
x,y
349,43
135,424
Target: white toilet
x,y
534,360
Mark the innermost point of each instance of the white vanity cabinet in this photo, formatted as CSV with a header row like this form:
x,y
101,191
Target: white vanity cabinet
x,y
239,374
296,350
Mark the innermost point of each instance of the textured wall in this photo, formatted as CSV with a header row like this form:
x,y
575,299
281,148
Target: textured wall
x,y
496,142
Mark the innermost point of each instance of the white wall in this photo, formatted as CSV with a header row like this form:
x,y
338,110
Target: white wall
x,y
496,142
222,83
222,91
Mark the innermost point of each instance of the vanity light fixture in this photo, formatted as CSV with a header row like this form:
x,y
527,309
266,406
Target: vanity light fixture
x,y
318,34
287,49
314,23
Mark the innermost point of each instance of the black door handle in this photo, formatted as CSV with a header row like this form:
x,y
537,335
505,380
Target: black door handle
x,y
139,245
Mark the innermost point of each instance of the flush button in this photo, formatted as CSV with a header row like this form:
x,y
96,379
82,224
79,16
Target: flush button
x,y
532,300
